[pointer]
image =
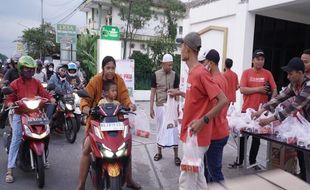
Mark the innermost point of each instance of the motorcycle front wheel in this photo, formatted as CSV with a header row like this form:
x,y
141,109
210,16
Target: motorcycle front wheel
x,y
115,183
70,129
40,172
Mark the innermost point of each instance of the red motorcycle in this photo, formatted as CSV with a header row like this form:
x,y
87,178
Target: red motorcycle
x,y
35,137
110,144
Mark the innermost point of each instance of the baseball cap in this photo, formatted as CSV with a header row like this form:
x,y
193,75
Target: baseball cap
x,y
167,58
202,55
258,53
213,55
295,64
192,40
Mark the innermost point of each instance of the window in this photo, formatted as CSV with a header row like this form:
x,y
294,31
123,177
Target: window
x,y
181,30
142,46
132,45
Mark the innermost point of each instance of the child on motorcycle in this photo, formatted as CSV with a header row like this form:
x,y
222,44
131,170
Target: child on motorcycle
x,y
23,87
109,93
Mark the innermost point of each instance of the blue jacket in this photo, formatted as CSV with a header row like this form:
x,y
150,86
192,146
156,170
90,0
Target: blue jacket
x,y
62,87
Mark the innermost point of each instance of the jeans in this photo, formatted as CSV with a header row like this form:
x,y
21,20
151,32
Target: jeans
x,y
16,140
197,181
253,151
214,159
50,109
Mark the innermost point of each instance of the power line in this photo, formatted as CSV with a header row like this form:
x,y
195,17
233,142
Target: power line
x,y
59,14
71,14
59,4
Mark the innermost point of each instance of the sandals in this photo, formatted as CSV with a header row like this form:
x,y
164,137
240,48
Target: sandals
x,y
158,157
177,161
9,177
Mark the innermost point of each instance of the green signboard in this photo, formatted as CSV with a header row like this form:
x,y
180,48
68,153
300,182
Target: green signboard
x,y
110,33
66,33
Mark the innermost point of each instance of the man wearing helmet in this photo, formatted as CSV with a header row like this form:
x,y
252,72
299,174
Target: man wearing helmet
x,y
72,76
62,86
12,73
23,87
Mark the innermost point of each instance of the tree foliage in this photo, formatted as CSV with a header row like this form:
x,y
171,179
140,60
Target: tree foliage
x,y
40,38
3,58
140,14
87,53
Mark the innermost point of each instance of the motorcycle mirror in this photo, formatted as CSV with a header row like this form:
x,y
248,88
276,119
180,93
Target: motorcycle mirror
x,y
83,94
50,87
7,90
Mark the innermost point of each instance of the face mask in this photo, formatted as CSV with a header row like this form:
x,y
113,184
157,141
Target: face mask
x,y
51,69
72,74
27,74
208,67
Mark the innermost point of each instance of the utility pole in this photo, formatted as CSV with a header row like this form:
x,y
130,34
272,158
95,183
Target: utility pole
x,y
126,35
42,22
99,17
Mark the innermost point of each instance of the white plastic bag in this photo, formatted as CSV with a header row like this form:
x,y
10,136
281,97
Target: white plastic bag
x,y
191,161
141,124
168,134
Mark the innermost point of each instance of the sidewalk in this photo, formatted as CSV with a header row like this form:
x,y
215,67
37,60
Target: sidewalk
x,y
163,174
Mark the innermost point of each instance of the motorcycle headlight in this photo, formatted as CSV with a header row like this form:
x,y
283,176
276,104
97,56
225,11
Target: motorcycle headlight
x,y
69,107
32,104
27,131
105,151
121,151
125,132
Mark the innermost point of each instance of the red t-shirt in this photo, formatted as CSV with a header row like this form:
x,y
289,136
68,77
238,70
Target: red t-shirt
x,y
220,123
232,80
253,78
201,90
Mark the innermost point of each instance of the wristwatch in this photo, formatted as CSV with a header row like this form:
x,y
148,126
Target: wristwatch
x,y
206,119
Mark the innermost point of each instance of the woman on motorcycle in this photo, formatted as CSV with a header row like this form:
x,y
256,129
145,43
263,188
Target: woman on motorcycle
x,y
23,87
95,88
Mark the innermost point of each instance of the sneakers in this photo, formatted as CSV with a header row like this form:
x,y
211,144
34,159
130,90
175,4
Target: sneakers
x,y
257,168
235,165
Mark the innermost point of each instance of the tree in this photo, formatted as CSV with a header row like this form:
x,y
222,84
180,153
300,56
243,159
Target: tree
x,y
140,14
87,53
3,58
40,39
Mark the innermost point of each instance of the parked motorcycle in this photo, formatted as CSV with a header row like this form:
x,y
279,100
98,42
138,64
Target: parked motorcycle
x,y
110,139
64,118
36,132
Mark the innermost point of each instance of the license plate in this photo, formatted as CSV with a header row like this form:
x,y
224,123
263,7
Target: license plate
x,y
116,126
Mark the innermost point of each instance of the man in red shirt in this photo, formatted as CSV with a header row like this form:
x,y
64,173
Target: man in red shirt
x,y
23,87
199,108
255,85
305,57
232,80
220,131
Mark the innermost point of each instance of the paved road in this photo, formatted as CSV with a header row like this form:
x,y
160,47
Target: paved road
x,y
64,160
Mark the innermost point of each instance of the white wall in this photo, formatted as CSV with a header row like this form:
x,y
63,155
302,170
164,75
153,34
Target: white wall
x,y
256,5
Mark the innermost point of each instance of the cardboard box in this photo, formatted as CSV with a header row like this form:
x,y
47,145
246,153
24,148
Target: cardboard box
x,y
283,157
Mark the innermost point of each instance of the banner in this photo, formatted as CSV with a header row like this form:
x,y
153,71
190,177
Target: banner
x,y
126,69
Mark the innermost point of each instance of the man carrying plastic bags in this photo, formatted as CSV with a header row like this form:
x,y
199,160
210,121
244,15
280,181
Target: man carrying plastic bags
x,y
165,111
198,111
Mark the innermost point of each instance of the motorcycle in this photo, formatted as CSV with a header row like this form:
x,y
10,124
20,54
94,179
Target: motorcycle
x,y
64,117
35,136
110,139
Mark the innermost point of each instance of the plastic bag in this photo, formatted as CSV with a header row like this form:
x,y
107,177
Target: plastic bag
x,y
191,161
168,134
141,124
